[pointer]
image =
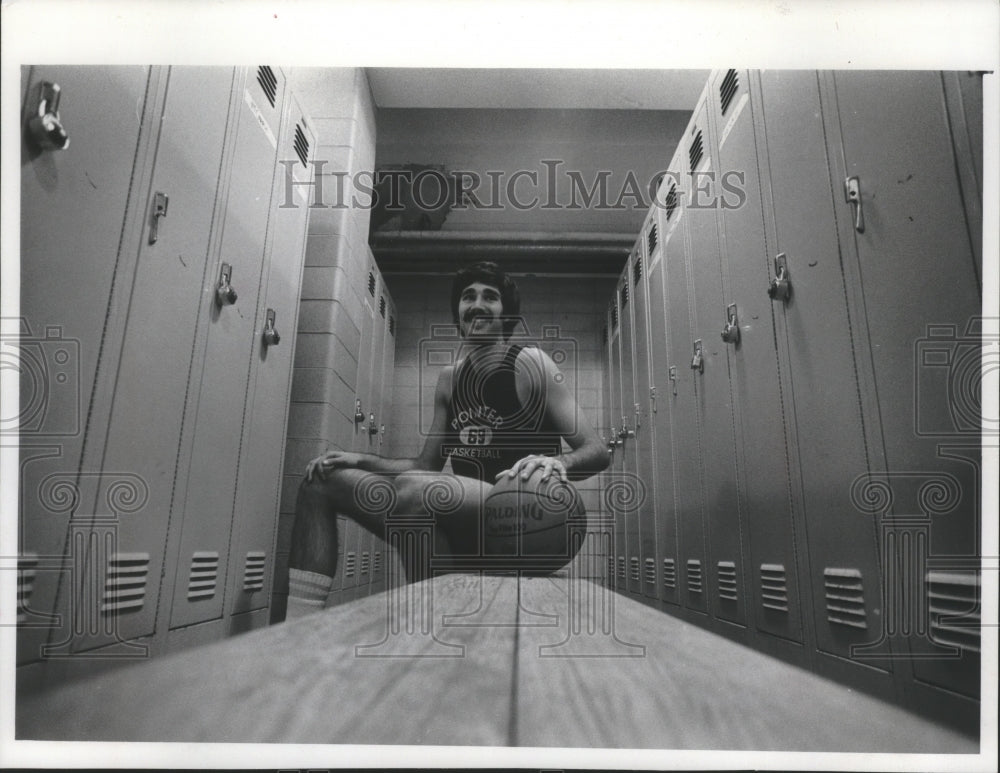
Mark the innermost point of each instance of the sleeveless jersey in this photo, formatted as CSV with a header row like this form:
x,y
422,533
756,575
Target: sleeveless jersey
x,y
489,429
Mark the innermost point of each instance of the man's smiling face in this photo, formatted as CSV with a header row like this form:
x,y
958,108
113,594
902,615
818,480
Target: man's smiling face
x,y
480,312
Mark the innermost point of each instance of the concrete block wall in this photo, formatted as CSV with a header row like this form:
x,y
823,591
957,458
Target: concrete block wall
x,y
321,413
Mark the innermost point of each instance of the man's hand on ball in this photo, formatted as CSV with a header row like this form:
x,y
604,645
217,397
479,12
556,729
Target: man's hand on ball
x,y
527,466
332,460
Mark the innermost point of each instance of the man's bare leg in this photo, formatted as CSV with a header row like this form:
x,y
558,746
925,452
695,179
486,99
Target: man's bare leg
x,y
368,498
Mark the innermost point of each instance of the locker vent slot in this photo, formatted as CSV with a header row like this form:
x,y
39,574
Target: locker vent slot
x,y
268,82
377,563
624,295
204,575
392,325
27,570
125,583
253,571
845,597
381,306
621,567
366,562
371,283
727,581
954,603
350,564
637,269
651,571
652,239
670,202
634,568
301,145
611,567
614,317
694,575
773,587
696,151
669,573
728,89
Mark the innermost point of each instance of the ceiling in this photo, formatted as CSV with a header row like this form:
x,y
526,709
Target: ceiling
x,y
512,88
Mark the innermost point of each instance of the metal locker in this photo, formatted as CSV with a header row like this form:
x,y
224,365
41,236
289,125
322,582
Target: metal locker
x,y
644,430
916,278
75,209
687,357
664,374
606,428
619,545
155,352
381,554
711,311
771,578
206,487
629,415
266,415
815,345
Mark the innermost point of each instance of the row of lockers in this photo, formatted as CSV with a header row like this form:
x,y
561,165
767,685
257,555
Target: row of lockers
x,y
793,359
161,268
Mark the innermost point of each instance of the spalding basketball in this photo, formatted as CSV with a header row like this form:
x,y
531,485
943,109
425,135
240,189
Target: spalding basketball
x,y
538,525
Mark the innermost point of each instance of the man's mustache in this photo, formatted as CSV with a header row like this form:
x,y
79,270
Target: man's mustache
x,y
476,314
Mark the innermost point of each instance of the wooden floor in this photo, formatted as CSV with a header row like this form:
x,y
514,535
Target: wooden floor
x,y
469,660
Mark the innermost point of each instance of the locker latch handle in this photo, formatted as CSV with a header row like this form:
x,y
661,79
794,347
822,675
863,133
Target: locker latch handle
x,y
698,360
225,295
780,288
852,191
359,415
45,128
731,332
372,426
381,434
160,202
638,422
626,433
271,335
673,378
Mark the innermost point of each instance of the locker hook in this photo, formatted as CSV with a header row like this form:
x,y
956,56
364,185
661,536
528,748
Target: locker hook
x,y
780,288
225,295
45,127
271,335
731,332
852,191
698,361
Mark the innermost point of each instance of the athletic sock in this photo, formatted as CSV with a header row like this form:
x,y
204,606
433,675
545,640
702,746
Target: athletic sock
x,y
307,592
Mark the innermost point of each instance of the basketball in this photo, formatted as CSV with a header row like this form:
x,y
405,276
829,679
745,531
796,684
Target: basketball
x,y
537,524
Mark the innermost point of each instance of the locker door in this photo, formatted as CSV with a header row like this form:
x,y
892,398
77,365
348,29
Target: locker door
x,y
73,216
627,404
606,428
259,478
152,371
920,289
689,568
760,404
207,493
663,368
381,553
620,571
644,429
713,398
814,333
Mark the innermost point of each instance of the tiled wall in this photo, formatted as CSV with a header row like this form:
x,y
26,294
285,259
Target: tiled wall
x,y
574,305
